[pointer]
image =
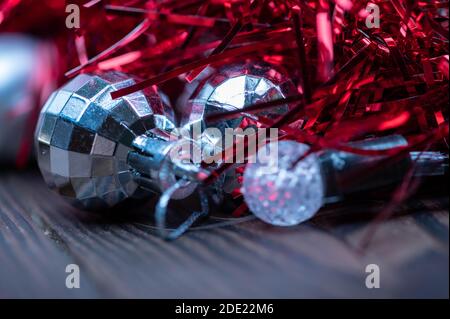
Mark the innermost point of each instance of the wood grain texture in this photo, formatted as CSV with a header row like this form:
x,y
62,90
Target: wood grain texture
x,y
120,256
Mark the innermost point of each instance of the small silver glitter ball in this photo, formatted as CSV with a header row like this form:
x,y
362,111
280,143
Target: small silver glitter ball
x,y
83,138
278,192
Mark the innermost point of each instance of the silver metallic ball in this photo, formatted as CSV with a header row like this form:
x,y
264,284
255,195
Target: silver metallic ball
x,y
237,86
234,87
83,138
24,74
280,191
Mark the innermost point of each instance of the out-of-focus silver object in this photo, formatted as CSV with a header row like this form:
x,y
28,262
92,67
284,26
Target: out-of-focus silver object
x,y
98,152
283,191
24,78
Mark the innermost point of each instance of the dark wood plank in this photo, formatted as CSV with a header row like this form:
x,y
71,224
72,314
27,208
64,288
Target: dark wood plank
x,y
121,257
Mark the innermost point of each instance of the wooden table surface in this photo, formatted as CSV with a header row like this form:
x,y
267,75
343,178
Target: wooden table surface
x,y
122,257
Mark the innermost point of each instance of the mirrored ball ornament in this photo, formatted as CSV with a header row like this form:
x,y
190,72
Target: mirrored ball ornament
x,y
234,87
83,138
280,191
238,85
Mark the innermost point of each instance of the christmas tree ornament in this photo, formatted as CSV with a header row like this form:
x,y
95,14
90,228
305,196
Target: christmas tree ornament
x,y
97,151
25,78
282,190
234,87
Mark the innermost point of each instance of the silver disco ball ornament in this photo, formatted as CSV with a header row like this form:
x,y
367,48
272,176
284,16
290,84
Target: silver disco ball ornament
x,y
96,151
236,86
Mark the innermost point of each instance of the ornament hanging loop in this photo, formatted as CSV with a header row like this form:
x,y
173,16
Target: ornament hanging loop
x,y
161,211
